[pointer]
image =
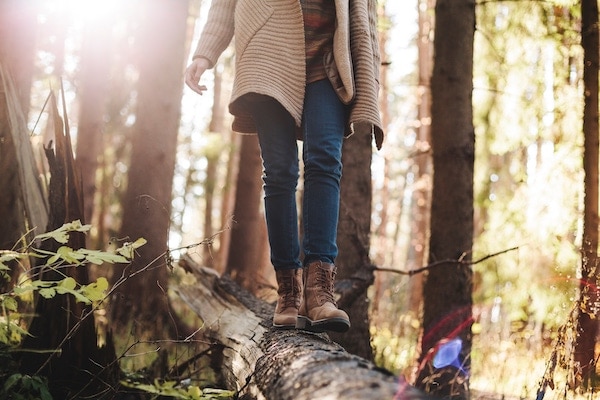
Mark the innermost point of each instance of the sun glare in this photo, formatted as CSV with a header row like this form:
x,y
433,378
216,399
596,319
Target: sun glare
x,y
93,9
81,11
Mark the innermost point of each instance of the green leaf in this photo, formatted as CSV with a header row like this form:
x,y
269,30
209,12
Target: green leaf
x,y
67,286
47,293
32,286
68,255
16,332
96,290
194,392
68,283
61,235
209,393
128,249
45,393
99,257
41,284
53,259
7,256
77,226
9,302
11,381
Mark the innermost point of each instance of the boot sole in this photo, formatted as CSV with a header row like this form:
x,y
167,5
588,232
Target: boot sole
x,y
332,324
284,327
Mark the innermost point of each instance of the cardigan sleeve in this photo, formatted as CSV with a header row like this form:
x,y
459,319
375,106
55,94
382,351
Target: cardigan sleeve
x,y
374,37
217,32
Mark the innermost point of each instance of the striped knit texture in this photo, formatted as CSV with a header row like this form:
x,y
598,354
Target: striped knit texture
x,y
364,116
270,56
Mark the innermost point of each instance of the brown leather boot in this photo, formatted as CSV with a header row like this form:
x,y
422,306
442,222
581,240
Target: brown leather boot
x,y
290,297
319,312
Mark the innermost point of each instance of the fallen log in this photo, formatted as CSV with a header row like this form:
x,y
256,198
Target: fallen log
x,y
265,363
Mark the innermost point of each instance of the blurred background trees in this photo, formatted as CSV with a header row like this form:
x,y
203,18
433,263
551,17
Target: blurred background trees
x,y
160,162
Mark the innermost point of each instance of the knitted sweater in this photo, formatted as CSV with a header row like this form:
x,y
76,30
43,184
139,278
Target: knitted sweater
x,y
270,57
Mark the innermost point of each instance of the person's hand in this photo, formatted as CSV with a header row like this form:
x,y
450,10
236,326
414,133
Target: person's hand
x,y
193,73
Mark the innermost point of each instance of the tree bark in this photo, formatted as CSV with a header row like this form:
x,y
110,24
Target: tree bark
x,y
212,154
264,363
93,90
78,367
379,227
18,30
147,202
587,318
21,196
245,260
447,311
422,168
22,204
355,271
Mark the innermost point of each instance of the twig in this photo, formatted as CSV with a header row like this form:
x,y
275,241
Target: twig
x,y
124,277
176,371
459,261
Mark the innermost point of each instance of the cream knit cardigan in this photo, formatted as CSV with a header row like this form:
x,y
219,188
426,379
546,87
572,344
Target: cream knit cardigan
x,y
270,57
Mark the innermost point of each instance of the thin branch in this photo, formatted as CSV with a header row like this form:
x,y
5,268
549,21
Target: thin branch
x,y
459,261
124,277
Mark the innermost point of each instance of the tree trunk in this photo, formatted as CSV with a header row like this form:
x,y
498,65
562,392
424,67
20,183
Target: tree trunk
x,y
62,344
355,272
264,363
17,45
228,198
248,231
421,199
22,204
587,319
382,283
93,86
52,38
212,154
448,300
147,202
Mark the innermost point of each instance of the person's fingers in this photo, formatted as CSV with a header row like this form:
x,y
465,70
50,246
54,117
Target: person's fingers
x,y
193,74
192,80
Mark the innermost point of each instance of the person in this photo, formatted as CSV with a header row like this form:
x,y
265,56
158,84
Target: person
x,y
304,70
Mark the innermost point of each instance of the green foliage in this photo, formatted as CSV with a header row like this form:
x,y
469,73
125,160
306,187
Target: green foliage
x,y
16,385
177,390
94,292
7,256
395,351
527,111
25,387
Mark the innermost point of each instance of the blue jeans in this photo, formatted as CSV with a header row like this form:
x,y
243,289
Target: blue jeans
x,y
323,123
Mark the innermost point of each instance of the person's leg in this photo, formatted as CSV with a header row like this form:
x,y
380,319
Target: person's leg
x,y
279,152
323,130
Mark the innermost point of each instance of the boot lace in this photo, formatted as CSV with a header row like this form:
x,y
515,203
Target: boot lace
x,y
289,293
324,280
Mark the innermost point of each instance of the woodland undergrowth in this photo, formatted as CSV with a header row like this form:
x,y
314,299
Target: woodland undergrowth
x,y
17,300
521,364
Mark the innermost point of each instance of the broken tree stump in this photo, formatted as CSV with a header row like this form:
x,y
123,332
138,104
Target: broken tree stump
x,y
261,362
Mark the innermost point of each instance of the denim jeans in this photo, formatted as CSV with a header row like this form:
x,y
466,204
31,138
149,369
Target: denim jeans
x,y
323,123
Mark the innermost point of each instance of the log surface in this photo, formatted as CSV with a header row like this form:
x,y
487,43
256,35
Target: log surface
x,y
261,362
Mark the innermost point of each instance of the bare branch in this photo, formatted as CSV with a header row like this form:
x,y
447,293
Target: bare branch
x,y
459,261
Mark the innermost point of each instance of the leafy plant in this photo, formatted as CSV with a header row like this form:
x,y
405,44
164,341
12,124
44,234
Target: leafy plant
x,y
179,390
21,386
25,387
94,292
